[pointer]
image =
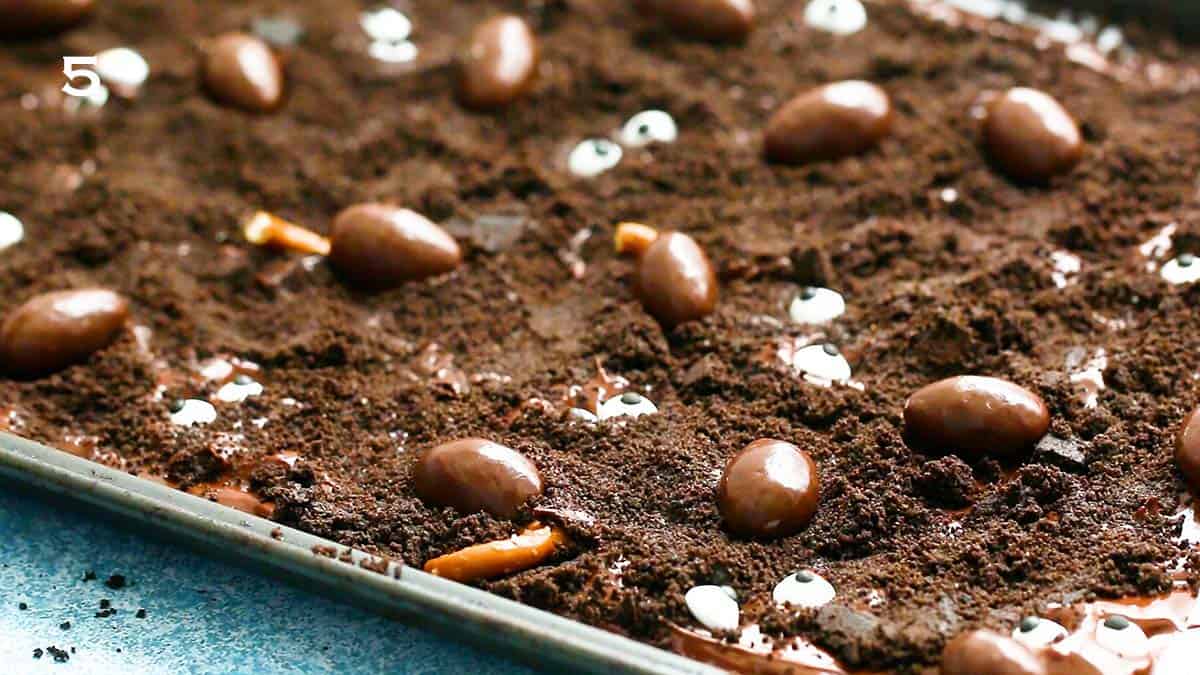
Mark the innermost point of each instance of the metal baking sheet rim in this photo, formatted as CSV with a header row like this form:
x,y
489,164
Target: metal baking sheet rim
x,y
537,636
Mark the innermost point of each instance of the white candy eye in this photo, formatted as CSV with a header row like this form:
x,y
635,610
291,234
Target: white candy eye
x,y
11,230
1034,632
629,404
821,364
593,157
1122,637
192,411
122,68
1184,269
241,388
387,24
583,415
649,126
840,17
713,607
816,306
803,589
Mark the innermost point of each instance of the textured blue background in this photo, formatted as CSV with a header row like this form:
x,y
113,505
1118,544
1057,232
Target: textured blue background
x,y
203,616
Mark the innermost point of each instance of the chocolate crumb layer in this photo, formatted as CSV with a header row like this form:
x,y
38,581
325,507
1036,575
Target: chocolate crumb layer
x,y
946,266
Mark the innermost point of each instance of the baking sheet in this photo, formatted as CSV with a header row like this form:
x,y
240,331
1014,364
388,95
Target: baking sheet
x,y
532,635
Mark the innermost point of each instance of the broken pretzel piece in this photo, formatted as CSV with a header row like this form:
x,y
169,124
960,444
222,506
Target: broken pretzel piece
x,y
634,238
497,558
268,229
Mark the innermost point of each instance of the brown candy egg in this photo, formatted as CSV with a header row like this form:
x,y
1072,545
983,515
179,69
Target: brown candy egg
x,y
474,474
1187,450
675,281
54,330
982,652
829,122
242,71
1030,136
498,64
769,489
40,17
978,416
382,246
715,20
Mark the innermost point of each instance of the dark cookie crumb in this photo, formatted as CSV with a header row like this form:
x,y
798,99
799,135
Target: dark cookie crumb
x,y
115,581
141,613
89,575
66,625
22,606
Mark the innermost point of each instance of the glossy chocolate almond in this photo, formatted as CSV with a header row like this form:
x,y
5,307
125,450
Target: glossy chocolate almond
x,y
1187,450
675,281
982,652
498,64
381,246
242,71
976,416
54,330
1030,136
829,122
41,17
769,489
474,474
715,20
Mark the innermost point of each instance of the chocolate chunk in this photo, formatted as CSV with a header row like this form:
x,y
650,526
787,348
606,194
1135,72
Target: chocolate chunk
x,y
1065,453
141,613
41,17
829,122
975,416
1030,136
66,625
381,246
498,63
675,281
53,330
715,20
474,474
1187,449
37,653
769,489
115,581
242,71
982,652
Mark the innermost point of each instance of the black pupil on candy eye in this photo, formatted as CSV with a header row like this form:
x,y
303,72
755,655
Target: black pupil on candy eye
x,y
1186,259
830,349
644,130
804,576
1029,623
600,149
630,398
1116,622
176,405
242,380
808,293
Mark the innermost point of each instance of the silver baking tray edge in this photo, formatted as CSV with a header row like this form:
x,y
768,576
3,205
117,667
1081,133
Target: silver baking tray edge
x,y
535,636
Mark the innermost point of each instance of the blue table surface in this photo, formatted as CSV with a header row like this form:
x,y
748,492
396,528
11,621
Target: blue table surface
x,y
202,615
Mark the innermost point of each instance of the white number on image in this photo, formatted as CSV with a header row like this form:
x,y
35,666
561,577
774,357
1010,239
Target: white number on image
x,y
72,71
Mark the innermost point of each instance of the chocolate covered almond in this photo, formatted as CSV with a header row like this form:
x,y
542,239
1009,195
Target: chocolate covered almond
x,y
241,70
675,280
715,20
474,474
1187,450
830,122
1030,136
977,416
769,489
498,64
381,246
54,330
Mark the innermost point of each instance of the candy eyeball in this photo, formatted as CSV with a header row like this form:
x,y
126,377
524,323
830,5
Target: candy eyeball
x,y
814,305
629,404
593,157
713,607
804,589
1184,269
821,364
241,388
649,126
1122,637
11,230
840,17
387,24
1035,632
122,67
185,413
